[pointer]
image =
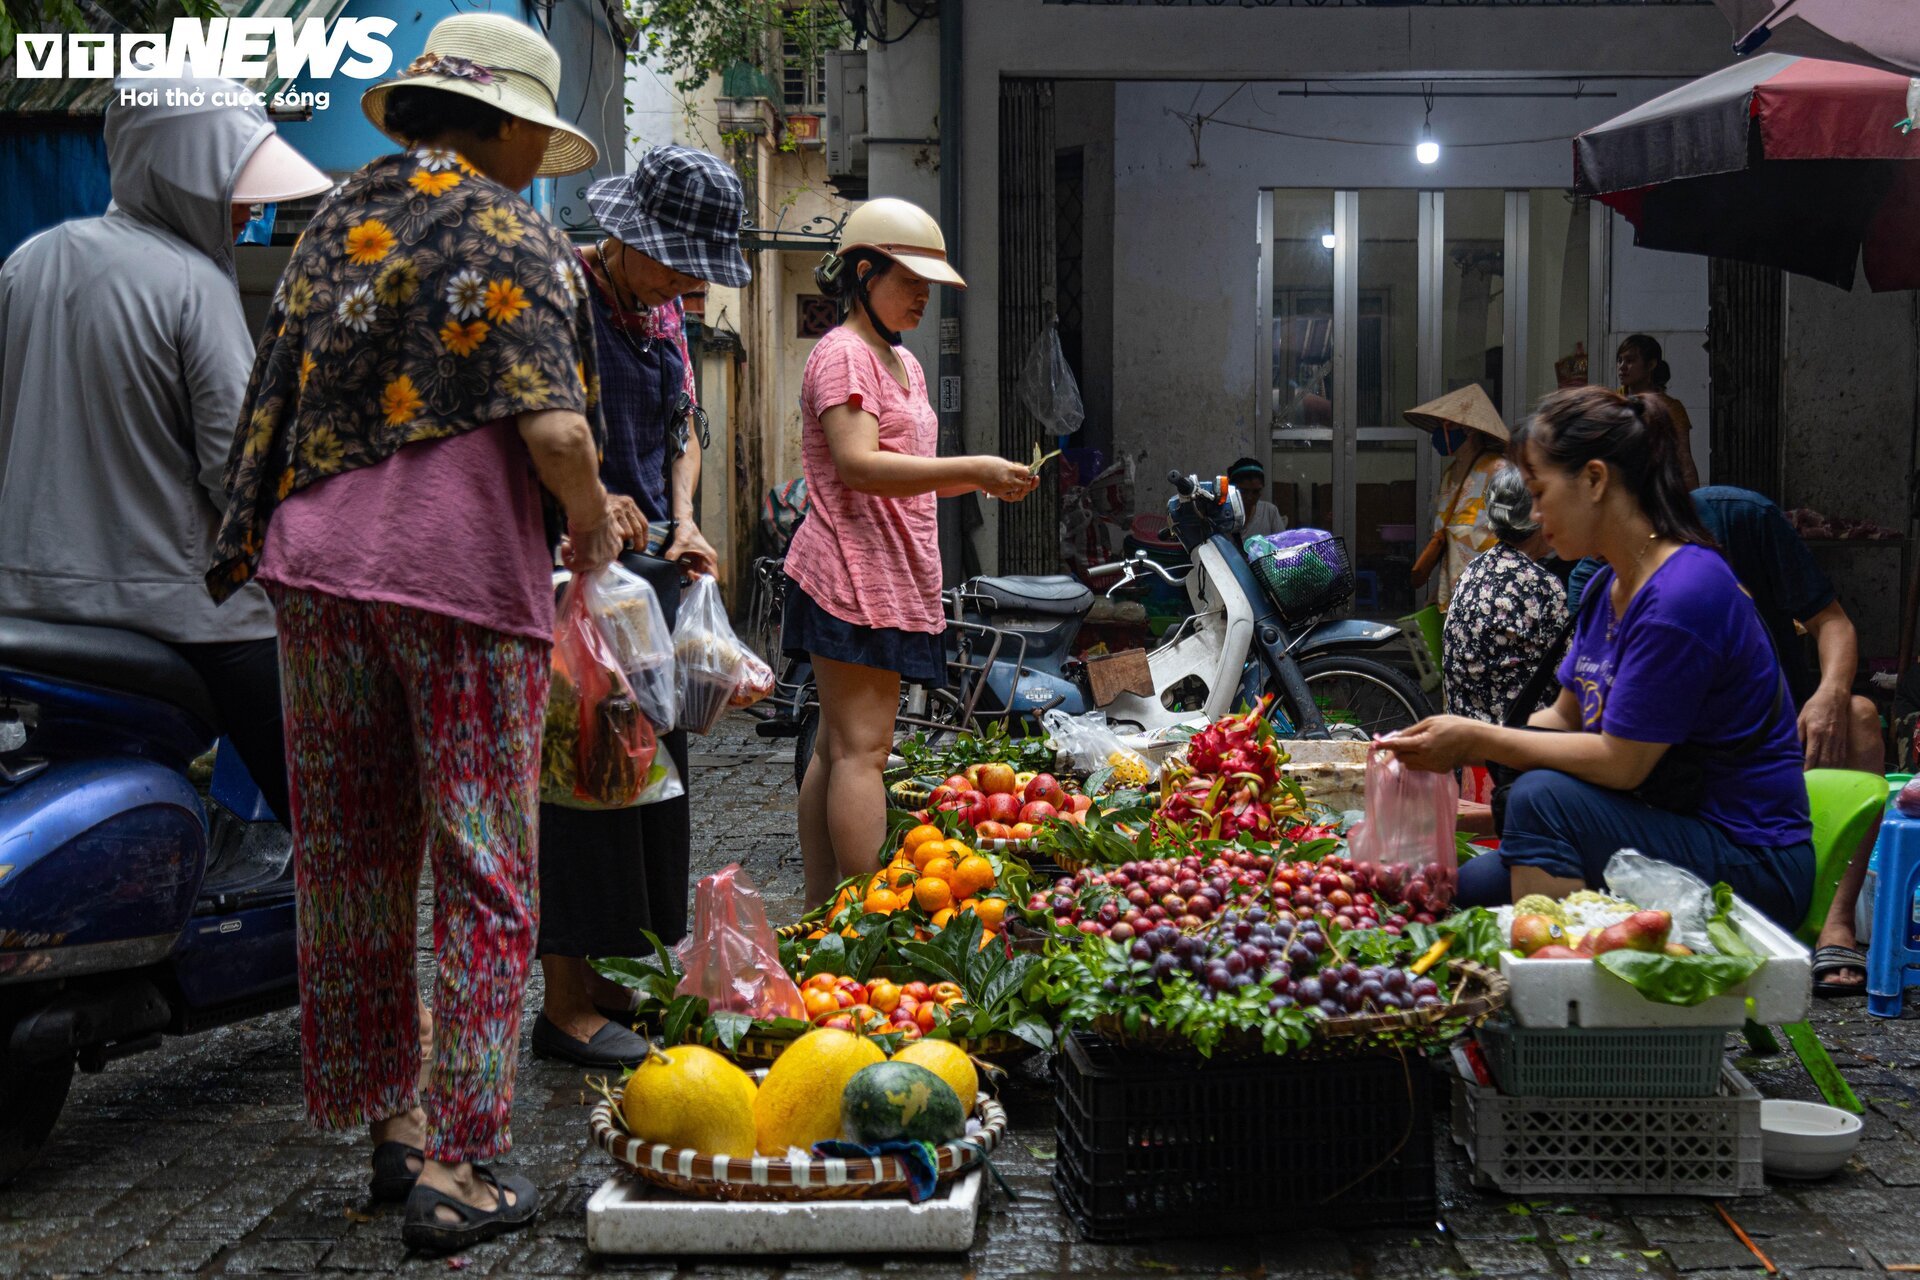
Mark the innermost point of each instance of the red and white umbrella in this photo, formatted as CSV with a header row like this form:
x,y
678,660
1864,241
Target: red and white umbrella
x,y
1869,33
1790,162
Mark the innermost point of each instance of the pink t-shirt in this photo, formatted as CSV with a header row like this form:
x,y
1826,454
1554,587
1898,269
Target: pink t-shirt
x,y
451,526
864,559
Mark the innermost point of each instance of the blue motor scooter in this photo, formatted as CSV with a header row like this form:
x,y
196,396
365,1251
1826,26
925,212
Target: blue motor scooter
x,y
135,901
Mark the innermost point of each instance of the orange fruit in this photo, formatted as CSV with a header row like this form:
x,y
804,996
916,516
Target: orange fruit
x,y
925,833
986,936
941,917
819,1003
932,893
972,875
899,873
938,869
924,853
816,935
883,901
991,911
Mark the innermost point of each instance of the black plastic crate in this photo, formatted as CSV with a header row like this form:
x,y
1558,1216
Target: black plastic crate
x,y
1151,1145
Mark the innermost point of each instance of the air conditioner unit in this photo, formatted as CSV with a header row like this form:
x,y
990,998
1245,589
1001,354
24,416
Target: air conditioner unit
x,y
846,113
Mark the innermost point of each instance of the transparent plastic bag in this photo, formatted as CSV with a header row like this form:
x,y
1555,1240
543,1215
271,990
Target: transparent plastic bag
x,y
635,625
1653,885
731,958
599,751
710,662
1406,839
1047,387
1087,743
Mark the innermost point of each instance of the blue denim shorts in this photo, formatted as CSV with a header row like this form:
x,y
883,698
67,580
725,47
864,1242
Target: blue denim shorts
x,y
808,631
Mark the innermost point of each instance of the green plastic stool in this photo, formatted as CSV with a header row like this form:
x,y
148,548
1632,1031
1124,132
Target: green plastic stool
x,y
1425,624
1846,807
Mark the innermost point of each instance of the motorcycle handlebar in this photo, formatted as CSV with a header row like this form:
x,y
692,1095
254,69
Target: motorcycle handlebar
x,y
1184,485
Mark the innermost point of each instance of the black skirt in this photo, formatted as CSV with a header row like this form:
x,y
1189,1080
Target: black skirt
x,y
808,631
605,875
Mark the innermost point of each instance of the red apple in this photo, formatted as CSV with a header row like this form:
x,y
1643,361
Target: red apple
x,y
1080,803
1043,786
1003,806
943,797
959,782
993,831
1038,811
973,808
1023,831
997,779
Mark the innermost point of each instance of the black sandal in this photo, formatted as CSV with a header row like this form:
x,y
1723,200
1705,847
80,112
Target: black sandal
x,y
1832,959
423,1230
392,1178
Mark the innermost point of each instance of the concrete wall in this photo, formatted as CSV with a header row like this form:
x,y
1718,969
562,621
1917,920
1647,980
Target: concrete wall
x,y
1851,401
1663,295
1198,309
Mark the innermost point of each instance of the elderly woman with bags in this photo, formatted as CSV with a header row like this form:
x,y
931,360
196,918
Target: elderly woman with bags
x,y
423,400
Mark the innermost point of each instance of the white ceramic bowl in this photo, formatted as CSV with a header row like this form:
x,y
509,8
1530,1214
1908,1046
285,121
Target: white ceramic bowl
x,y
1806,1139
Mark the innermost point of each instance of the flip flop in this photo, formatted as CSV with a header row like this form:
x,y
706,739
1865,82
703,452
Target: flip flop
x,y
423,1230
1839,960
392,1179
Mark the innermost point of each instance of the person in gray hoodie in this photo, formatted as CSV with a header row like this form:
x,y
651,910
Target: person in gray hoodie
x,y
124,357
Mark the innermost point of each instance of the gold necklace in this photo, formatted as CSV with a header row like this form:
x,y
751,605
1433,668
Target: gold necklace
x,y
1613,617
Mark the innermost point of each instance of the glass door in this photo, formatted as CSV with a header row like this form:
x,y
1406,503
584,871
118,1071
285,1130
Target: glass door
x,y
1297,263
1383,533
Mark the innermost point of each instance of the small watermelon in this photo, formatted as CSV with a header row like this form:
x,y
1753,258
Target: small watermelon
x,y
892,1101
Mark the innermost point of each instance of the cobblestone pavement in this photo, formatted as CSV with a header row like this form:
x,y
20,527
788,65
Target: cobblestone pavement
x,y
193,1160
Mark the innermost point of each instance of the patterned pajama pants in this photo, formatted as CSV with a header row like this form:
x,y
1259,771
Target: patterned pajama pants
x,y
408,734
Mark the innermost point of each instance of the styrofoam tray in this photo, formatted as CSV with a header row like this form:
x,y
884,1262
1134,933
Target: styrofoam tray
x,y
626,1216
1579,993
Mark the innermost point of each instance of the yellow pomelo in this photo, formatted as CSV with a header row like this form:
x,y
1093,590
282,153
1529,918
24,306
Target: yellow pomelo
x,y
688,1096
946,1060
799,1101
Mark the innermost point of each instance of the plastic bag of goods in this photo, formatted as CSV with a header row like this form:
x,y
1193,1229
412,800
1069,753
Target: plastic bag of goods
x,y
715,670
731,957
599,750
1088,744
1406,840
629,613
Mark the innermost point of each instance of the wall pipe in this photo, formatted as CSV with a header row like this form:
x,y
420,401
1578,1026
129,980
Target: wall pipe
x,y
957,555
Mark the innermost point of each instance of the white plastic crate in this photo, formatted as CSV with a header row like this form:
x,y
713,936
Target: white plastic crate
x,y
1579,993
1613,1146
627,1216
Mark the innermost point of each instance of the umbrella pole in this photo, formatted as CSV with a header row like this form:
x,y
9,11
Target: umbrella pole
x,y
1910,601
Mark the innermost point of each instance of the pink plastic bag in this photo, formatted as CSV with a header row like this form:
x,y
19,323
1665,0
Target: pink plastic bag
x,y
1406,839
731,958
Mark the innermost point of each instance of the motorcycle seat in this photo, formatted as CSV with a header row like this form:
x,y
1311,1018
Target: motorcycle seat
x,y
106,657
1054,594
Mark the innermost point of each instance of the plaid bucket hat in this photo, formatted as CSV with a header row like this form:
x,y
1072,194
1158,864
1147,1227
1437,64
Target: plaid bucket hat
x,y
681,207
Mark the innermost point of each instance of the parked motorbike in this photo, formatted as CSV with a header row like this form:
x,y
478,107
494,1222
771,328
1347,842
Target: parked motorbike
x,y
1011,646
137,900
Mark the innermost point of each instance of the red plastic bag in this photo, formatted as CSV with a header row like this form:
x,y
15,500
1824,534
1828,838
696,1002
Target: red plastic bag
x,y
731,957
595,730
1406,839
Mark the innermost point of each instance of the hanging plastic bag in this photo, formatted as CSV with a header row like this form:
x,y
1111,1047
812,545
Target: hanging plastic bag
x,y
1406,839
635,625
1087,743
715,670
1660,886
1047,386
599,751
731,958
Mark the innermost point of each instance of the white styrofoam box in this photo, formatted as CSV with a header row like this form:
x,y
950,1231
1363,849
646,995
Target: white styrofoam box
x,y
627,1216
1579,993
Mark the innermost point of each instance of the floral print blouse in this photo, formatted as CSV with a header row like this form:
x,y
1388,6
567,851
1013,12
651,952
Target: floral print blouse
x,y
423,301
1508,617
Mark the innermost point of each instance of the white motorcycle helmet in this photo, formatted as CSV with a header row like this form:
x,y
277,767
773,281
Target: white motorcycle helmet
x,y
900,230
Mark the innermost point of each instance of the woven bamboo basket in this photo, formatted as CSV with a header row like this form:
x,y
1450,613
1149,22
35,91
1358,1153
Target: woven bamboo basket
x,y
768,1178
1480,993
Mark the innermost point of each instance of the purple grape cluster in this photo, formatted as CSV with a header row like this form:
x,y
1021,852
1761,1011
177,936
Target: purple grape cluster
x,y
1250,947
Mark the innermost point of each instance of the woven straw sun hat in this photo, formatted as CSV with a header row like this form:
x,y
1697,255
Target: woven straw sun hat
x,y
1468,407
500,62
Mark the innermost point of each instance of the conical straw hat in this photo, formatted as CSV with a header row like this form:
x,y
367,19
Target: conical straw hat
x,y
1468,407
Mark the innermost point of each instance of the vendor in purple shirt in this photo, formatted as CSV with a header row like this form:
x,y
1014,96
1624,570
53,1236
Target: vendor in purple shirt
x,y
1673,733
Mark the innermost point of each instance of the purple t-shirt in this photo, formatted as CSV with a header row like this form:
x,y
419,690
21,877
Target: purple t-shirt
x,y
1690,662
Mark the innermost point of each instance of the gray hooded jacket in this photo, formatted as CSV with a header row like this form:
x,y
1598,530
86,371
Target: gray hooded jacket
x,y
124,358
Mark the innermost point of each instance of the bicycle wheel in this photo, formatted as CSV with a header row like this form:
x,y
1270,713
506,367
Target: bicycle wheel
x,y
1361,697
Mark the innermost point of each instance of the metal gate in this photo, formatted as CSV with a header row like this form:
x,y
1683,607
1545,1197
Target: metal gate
x,y
1746,320
1029,530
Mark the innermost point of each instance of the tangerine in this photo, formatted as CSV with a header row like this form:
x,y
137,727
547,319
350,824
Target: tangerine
x,y
925,833
922,854
942,917
938,869
973,874
932,893
882,901
899,873
991,911
986,936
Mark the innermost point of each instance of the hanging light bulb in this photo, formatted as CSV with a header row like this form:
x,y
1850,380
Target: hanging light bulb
x,y
1427,151
1328,240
